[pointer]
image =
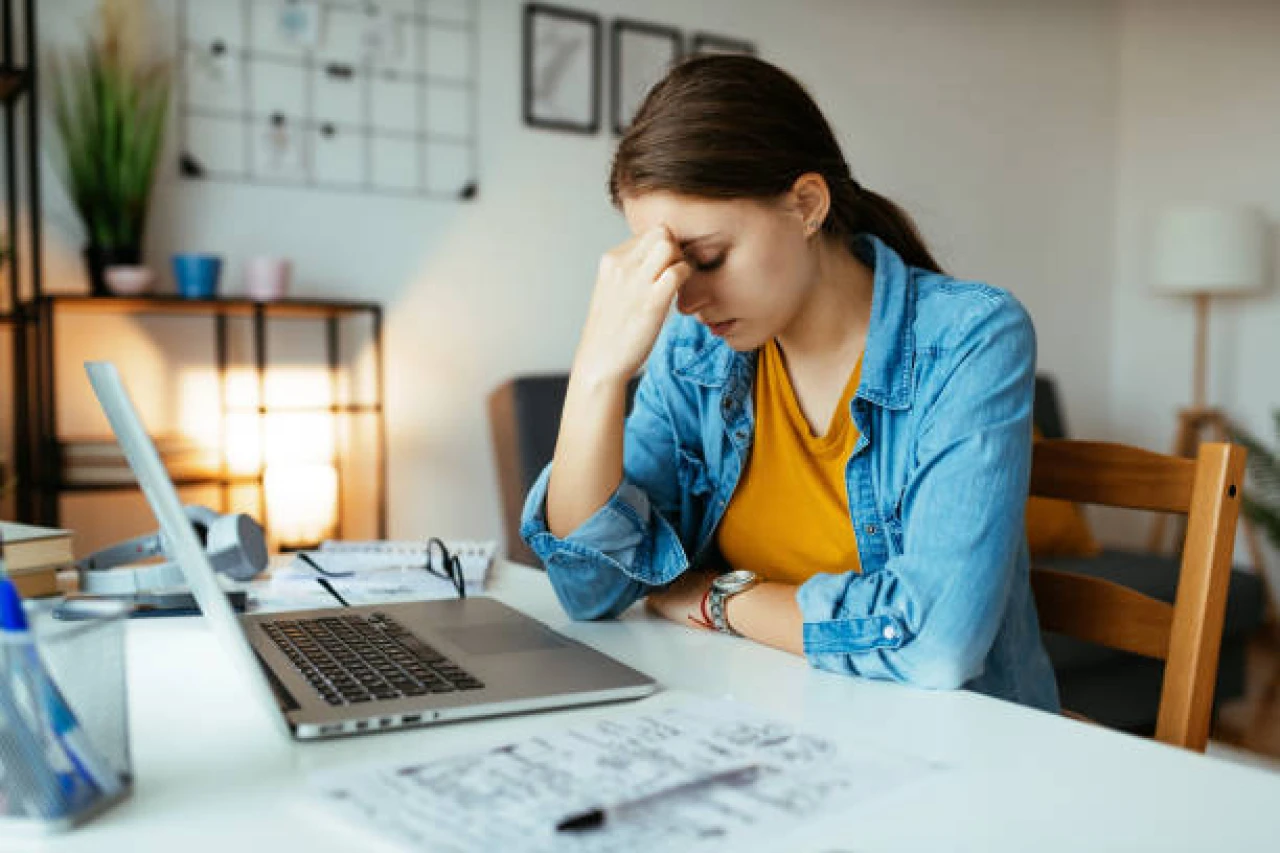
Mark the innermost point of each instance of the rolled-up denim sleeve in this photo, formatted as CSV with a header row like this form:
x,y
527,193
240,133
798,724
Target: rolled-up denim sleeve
x,y
629,545
930,616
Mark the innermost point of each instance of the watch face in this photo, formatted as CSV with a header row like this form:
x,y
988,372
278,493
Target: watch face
x,y
735,581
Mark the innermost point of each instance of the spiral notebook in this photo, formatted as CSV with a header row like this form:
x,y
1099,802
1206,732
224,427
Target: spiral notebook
x,y
375,555
369,572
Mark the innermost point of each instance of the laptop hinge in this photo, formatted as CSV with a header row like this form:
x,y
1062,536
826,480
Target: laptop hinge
x,y
283,697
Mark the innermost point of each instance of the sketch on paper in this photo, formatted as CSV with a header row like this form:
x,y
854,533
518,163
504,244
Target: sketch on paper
x,y
511,797
561,69
641,54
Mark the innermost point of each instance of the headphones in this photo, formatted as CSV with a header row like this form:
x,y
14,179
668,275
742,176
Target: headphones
x,y
235,544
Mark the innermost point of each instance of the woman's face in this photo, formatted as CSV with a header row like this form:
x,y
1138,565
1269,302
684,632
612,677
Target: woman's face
x,y
752,263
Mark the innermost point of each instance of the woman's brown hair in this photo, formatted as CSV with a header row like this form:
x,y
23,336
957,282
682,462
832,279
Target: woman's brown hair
x,y
728,126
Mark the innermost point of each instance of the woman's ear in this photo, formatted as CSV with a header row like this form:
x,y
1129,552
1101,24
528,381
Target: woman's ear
x,y
812,200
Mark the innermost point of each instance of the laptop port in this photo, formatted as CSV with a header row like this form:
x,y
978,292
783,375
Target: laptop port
x,y
387,721
411,718
361,725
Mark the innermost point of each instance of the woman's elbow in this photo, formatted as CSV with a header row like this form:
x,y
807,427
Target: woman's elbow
x,y
937,665
591,600
943,674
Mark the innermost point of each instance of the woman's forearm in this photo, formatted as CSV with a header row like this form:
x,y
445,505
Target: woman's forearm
x,y
586,468
768,613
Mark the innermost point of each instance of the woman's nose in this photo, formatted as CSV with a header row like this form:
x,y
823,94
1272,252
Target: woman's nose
x,y
692,296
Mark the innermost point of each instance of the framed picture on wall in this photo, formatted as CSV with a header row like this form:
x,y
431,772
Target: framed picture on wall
x,y
704,43
640,54
561,68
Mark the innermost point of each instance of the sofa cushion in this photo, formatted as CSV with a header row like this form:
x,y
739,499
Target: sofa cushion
x,y
1057,528
1155,575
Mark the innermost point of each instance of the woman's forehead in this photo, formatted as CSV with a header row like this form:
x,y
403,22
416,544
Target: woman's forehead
x,y
687,217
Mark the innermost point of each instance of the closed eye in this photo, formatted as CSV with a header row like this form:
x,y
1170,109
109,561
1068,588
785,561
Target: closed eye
x,y
708,266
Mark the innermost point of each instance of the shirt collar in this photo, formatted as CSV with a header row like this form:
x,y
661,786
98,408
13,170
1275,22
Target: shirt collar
x,y
888,361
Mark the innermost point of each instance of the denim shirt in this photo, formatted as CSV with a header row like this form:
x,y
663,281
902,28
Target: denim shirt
x,y
937,484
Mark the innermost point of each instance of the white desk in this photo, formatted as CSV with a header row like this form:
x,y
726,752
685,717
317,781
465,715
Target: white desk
x,y
212,774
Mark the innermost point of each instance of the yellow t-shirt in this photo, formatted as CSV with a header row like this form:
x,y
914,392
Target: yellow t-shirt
x,y
789,516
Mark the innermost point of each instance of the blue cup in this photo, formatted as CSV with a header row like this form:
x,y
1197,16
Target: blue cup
x,y
197,275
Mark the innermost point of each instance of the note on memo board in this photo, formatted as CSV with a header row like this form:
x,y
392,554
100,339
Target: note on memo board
x,y
377,97
511,797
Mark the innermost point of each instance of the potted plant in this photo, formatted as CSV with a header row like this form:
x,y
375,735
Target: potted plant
x,y
1262,502
110,107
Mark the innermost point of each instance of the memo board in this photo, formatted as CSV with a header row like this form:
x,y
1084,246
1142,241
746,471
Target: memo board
x,y
377,97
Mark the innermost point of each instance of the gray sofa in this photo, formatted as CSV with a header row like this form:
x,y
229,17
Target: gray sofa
x,y
1116,689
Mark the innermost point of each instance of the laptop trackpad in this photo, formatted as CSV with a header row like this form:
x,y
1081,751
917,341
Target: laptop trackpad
x,y
502,638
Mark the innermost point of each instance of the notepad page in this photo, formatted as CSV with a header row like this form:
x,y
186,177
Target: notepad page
x,y
511,797
372,572
475,556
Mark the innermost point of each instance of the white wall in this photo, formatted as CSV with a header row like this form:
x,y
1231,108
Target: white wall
x,y
993,122
1199,120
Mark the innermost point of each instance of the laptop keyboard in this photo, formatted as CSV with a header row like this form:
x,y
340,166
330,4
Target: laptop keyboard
x,y
353,659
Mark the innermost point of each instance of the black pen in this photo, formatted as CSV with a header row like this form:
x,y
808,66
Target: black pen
x,y
600,815
304,557
328,586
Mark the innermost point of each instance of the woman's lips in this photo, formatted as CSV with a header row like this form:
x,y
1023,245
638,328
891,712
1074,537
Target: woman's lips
x,y
721,329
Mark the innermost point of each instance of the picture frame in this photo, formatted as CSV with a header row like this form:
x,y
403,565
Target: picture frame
x,y
561,68
640,54
707,43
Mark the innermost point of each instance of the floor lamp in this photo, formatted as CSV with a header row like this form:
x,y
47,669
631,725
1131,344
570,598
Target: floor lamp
x,y
1204,251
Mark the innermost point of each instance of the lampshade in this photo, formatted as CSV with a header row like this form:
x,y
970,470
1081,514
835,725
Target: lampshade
x,y
1210,250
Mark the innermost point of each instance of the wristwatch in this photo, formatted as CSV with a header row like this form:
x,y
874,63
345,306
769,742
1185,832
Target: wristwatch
x,y
723,588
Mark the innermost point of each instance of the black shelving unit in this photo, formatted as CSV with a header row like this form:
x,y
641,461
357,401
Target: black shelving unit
x,y
29,314
19,105
48,479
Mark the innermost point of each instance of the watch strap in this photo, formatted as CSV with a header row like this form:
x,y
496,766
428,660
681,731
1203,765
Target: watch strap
x,y
717,609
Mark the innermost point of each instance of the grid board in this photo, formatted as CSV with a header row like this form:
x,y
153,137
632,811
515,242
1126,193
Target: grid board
x,y
375,97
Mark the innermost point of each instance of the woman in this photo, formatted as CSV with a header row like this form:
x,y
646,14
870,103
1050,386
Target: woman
x,y
829,449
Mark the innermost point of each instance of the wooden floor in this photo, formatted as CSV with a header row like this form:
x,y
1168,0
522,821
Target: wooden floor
x,y
1252,723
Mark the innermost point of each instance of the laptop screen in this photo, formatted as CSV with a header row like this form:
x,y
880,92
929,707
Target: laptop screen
x,y
176,528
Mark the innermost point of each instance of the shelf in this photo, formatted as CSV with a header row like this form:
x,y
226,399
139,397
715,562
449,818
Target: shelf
x,y
349,409
232,307
13,83
183,482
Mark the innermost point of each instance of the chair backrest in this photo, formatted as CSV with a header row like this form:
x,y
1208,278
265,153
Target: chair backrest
x,y
524,421
1186,635
1046,413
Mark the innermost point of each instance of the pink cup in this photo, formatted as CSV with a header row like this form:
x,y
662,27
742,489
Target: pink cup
x,y
267,278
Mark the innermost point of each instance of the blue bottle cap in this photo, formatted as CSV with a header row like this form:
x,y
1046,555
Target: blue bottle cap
x,y
12,616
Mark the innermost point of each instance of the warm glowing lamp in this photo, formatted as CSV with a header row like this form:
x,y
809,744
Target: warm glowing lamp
x,y
1202,251
302,502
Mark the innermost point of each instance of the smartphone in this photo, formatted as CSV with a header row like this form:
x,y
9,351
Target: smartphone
x,y
144,604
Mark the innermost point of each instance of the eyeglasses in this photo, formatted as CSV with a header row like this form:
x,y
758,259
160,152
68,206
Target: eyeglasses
x,y
447,567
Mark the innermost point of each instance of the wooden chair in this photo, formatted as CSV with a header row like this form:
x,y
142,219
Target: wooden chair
x,y
1187,634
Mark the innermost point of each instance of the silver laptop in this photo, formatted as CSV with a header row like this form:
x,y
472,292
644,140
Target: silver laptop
x,y
325,673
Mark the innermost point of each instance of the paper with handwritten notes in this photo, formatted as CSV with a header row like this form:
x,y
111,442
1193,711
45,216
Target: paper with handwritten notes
x,y
511,797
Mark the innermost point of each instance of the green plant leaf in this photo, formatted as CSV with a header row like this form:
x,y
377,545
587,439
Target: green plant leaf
x,y
109,120
1262,464
1265,516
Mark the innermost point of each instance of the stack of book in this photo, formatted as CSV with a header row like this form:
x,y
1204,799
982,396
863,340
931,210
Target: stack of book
x,y
32,556
101,462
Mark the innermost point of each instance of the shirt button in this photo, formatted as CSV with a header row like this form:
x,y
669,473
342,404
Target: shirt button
x,y
727,405
742,435
871,529
889,632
